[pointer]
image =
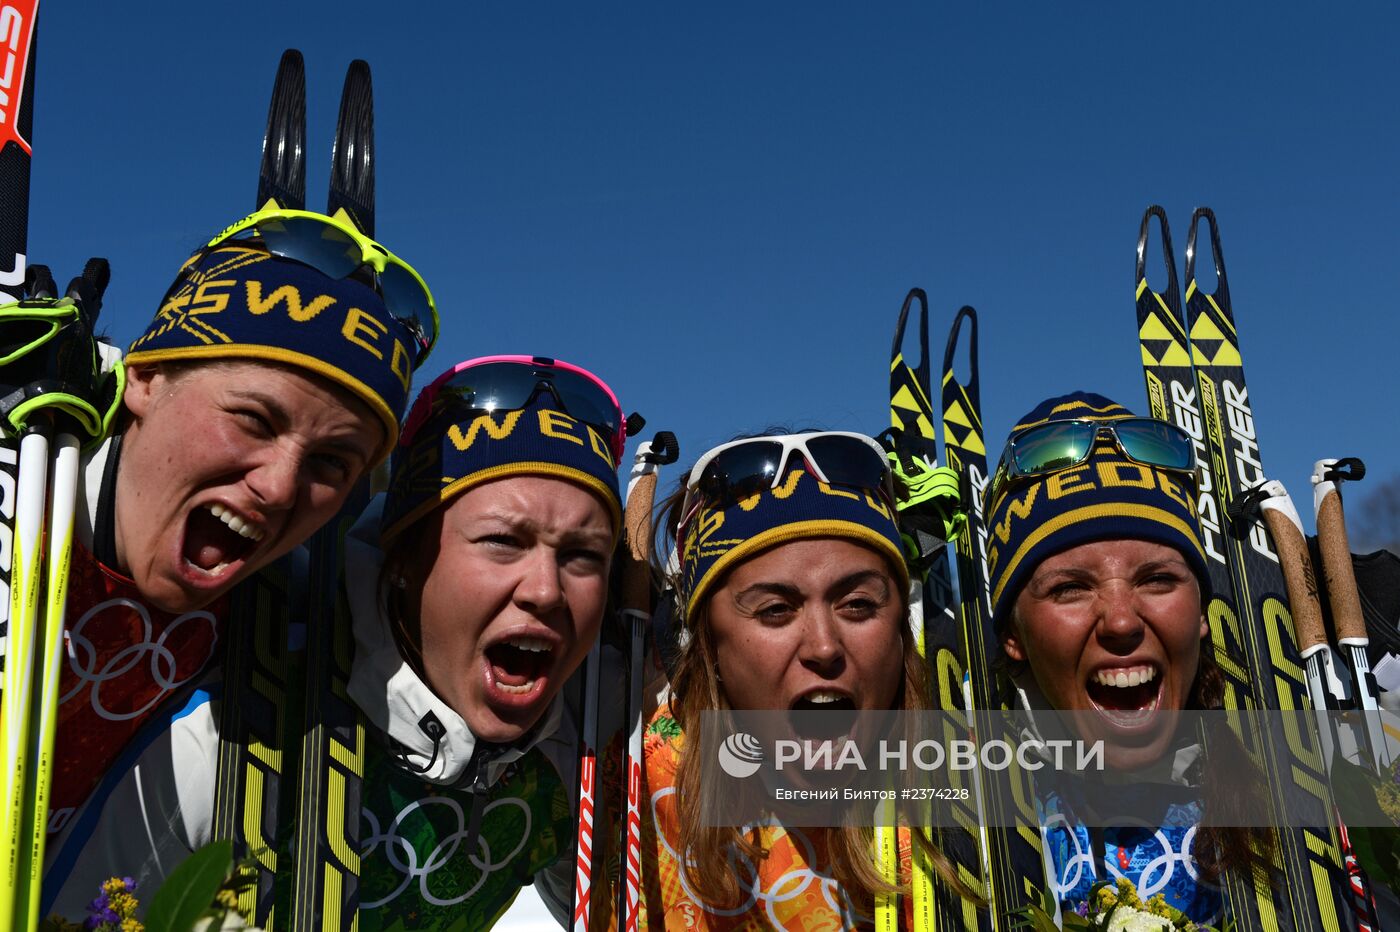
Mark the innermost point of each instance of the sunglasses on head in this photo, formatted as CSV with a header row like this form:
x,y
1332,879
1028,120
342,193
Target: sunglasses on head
x,y
510,383
1059,445
336,249
741,468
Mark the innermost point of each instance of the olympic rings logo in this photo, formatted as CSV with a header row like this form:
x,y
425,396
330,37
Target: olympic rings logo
x,y
1155,876
785,887
403,857
82,658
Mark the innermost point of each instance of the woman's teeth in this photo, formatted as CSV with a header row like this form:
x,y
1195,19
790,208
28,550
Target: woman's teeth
x,y
1127,696
533,645
824,696
237,524
519,674
1135,676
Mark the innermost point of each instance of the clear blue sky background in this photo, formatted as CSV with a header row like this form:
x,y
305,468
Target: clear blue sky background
x,y
719,207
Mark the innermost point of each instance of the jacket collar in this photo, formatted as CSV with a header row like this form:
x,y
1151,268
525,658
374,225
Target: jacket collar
x,y
430,739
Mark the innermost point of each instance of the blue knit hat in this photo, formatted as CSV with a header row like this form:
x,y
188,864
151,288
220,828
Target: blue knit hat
x,y
721,536
455,448
239,302
1106,497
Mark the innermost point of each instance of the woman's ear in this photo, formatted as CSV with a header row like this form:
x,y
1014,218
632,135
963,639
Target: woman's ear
x,y
142,384
1011,644
1205,627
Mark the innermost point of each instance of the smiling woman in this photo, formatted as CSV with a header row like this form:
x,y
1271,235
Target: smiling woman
x,y
1099,583
477,585
250,411
793,591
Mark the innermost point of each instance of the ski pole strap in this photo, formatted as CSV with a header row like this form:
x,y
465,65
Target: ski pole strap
x,y
49,362
930,492
930,509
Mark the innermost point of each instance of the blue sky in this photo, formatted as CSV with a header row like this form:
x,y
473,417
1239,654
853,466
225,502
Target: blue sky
x,y
720,207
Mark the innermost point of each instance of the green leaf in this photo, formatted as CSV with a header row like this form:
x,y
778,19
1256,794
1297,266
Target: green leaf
x,y
189,891
1375,842
1035,919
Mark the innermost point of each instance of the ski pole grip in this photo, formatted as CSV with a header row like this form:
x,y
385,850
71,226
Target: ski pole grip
x,y
1298,578
1337,568
1285,528
636,523
662,450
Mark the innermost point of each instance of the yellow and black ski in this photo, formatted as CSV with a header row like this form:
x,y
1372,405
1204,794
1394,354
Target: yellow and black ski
x,y
940,636
262,674
1316,878
1250,628
1016,865
326,840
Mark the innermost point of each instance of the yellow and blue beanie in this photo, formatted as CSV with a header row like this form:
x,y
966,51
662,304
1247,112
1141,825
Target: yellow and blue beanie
x,y
239,302
1106,497
458,448
722,535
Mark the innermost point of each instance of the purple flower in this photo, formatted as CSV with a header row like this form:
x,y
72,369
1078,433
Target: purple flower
x,y
1082,909
100,911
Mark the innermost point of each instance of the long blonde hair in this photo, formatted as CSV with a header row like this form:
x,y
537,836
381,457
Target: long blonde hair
x,y
696,688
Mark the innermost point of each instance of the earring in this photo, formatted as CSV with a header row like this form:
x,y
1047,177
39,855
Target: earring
x,y
398,582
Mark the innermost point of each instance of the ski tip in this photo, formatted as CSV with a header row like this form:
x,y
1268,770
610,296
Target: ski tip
x,y
352,154
915,294
282,175
291,63
1208,215
965,313
1168,255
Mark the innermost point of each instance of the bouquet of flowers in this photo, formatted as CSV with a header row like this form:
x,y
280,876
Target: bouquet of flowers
x,y
1117,908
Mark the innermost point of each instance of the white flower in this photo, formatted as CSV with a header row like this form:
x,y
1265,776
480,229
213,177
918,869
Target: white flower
x,y
1128,919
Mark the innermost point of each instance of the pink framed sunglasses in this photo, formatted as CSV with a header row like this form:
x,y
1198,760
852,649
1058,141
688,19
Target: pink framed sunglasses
x,y
508,383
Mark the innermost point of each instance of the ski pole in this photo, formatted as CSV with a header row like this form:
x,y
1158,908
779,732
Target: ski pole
x,y
636,608
1285,527
19,668
16,693
887,855
63,486
15,135
1342,593
587,785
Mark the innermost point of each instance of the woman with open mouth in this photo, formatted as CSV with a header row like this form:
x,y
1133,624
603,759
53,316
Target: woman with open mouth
x,y
477,586
1099,584
270,382
792,594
